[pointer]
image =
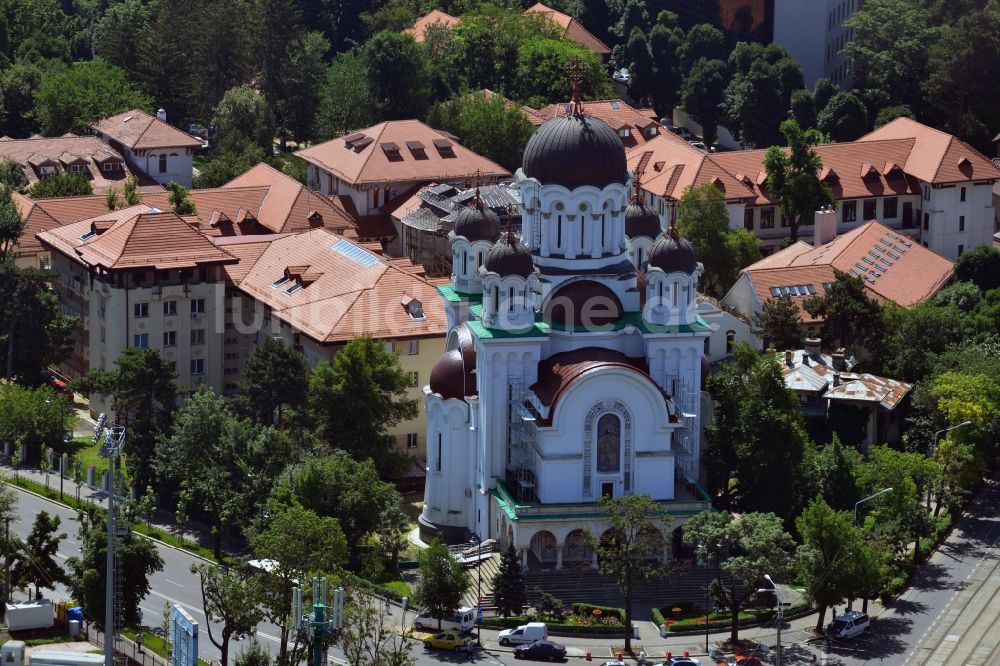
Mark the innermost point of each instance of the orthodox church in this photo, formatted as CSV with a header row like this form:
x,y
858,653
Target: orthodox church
x,y
574,358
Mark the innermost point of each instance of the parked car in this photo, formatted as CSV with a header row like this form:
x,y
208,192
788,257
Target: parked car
x,y
447,640
682,132
682,661
701,146
463,620
745,661
848,625
541,651
60,387
526,633
621,75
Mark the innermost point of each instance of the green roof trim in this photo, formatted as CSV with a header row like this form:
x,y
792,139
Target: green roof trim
x,y
482,332
454,296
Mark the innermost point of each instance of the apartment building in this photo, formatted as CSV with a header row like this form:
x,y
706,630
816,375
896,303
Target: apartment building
x,y
813,32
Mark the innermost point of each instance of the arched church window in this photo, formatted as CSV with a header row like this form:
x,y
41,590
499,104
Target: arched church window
x,y
496,299
604,234
609,444
480,260
583,242
558,232
676,288
510,304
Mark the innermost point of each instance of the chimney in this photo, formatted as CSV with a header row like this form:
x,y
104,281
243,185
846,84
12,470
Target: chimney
x,y
789,361
812,346
836,379
825,226
839,364
161,115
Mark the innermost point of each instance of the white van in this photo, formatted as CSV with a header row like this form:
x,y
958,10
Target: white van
x,y
848,625
526,633
463,620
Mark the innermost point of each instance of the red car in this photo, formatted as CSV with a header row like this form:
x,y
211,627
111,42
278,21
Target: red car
x,y
60,387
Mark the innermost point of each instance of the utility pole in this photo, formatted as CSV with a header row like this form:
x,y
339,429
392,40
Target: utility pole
x,y
777,594
111,449
317,626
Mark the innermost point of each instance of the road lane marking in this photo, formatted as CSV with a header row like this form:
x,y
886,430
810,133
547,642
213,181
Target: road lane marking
x,y
179,603
65,557
172,582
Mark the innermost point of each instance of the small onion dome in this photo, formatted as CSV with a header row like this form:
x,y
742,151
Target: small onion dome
x,y
583,303
673,254
460,339
448,375
575,150
706,371
641,220
509,256
477,223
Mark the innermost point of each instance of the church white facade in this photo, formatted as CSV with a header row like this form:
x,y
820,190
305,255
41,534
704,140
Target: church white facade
x,y
574,359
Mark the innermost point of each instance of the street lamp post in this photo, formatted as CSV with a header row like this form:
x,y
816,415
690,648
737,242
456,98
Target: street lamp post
x,y
934,452
861,501
777,595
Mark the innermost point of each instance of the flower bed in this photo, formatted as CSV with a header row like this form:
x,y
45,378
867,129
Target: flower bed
x,y
691,620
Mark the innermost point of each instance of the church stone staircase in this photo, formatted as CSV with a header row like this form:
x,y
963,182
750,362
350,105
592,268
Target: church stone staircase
x,y
487,569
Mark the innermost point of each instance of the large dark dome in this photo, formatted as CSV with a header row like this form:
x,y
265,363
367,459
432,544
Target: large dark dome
x,y
509,256
641,220
583,303
575,150
448,375
673,254
477,223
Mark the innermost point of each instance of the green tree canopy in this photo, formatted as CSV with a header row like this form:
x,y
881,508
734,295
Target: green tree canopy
x,y
69,100
230,598
345,101
832,471
489,126
34,332
793,177
443,581
18,84
844,118
779,324
980,266
11,223
243,116
509,593
61,184
274,375
398,74
119,33
704,221
702,42
541,77
850,315
703,94
36,564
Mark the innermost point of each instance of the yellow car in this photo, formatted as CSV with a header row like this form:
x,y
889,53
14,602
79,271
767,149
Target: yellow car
x,y
446,640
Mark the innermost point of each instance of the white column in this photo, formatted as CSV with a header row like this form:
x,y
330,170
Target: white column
x,y
559,556
524,559
570,234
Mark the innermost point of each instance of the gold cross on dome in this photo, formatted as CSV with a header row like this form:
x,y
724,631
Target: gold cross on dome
x,y
574,70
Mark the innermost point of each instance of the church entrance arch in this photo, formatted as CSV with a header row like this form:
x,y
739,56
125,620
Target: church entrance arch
x,y
607,450
543,547
578,551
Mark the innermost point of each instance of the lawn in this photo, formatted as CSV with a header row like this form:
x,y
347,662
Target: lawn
x,y
84,450
155,644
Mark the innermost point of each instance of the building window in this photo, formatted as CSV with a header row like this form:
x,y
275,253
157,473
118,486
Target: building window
x,y
961,223
961,249
609,443
140,310
748,218
415,379
197,306
140,340
730,341
961,194
197,336
173,366
850,211
927,221
169,308
414,348
708,346
889,208
197,366
437,458
927,192
624,133
411,440
163,163
170,338
767,217
869,210
558,232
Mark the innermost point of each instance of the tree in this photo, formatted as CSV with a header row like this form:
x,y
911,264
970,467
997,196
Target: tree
x,y
398,75
391,529
745,248
34,333
803,109
273,376
228,163
143,394
370,636
178,198
279,26
223,52
703,94
664,45
757,436
166,68
832,470
11,223
443,581
850,315
489,126
299,543
230,598
540,75
630,549
888,114
88,571
61,184
702,42
549,606
251,654
69,100
844,118
509,593
8,515
37,564
793,177
31,419
12,178
642,76
243,116
345,100
307,72
823,562
119,33
18,84
129,196
744,548
779,324
703,220
355,399
980,266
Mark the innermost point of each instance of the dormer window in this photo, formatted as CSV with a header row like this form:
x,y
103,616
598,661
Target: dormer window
x,y
414,308
624,133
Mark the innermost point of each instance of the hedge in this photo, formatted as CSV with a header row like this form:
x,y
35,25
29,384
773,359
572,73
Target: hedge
x,y
583,609
555,628
746,618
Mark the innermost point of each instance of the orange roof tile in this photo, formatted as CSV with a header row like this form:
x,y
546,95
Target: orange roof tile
x,y
672,165
350,291
138,129
86,151
615,112
572,29
367,156
145,240
419,29
937,157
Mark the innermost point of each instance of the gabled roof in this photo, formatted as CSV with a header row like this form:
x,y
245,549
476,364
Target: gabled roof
x,y
937,157
87,152
572,29
672,165
863,387
138,129
342,290
398,151
419,29
152,239
615,112
893,267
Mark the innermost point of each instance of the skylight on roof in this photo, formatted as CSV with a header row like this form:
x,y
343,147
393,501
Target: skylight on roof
x,y
280,281
615,105
88,235
356,254
294,288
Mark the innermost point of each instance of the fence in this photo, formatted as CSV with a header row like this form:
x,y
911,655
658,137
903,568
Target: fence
x,y
128,648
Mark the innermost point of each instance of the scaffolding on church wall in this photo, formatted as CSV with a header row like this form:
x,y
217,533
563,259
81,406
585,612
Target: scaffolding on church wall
x,y
686,439
521,477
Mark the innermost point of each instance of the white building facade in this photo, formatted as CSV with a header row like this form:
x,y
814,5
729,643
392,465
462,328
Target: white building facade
x,y
571,371
813,32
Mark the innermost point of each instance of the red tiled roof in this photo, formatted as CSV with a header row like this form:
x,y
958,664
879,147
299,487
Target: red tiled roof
x,y
894,268
615,112
672,165
366,156
345,297
556,373
36,221
138,129
863,387
572,29
419,29
937,157
86,151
